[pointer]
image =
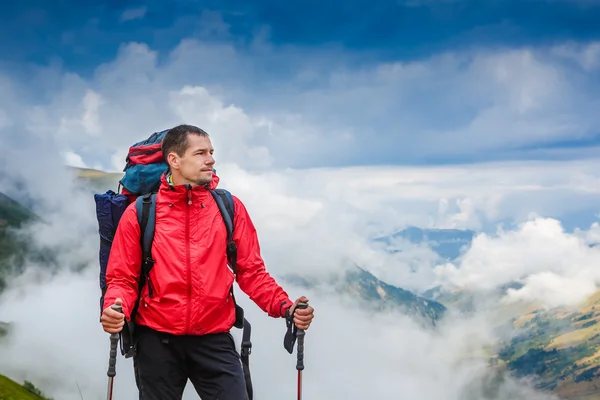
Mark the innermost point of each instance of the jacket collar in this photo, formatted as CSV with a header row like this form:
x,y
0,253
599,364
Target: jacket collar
x,y
177,192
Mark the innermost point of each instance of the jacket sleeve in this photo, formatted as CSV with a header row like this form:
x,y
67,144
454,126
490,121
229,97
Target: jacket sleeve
x,y
123,269
252,276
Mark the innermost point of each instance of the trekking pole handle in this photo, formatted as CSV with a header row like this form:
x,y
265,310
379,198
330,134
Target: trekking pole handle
x,y
300,335
114,341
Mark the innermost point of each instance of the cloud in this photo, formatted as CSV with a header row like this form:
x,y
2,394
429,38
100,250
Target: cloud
x,y
133,13
587,55
73,159
556,268
324,108
400,360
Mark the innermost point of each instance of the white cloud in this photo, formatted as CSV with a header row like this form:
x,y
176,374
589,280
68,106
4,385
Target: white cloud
x,y
398,360
133,13
557,268
73,159
587,55
448,105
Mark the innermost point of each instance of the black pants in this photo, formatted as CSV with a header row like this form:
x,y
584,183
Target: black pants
x,y
164,363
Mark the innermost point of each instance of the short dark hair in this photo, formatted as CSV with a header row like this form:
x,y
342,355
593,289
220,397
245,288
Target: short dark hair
x,y
176,139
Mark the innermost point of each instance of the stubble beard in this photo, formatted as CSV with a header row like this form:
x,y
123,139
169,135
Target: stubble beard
x,y
204,181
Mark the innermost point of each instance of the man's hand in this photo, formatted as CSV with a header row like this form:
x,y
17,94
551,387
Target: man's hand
x,y
303,316
112,321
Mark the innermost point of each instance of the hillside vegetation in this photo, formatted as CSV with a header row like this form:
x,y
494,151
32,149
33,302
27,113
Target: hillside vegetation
x,y
13,245
559,349
11,390
97,181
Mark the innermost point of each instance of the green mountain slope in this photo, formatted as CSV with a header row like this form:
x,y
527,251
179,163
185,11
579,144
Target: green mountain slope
x,y
97,181
13,247
11,390
559,350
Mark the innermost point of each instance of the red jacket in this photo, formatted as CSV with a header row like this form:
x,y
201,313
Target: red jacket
x,y
190,278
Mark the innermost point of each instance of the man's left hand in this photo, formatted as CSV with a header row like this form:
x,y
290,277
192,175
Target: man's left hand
x,y
303,316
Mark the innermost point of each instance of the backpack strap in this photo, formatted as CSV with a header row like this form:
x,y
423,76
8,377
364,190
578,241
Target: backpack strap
x,y
226,206
146,213
146,216
225,202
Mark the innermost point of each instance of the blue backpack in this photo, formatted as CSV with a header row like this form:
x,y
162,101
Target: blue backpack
x,y
143,171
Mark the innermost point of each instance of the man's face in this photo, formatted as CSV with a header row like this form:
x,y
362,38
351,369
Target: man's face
x,y
196,165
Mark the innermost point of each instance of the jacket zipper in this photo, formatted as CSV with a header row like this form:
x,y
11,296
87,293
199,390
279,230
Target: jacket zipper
x,y
189,264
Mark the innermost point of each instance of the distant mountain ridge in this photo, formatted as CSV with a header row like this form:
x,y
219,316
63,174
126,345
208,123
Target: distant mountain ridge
x,y
376,294
447,243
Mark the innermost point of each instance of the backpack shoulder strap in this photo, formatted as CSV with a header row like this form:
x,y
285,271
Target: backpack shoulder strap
x,y
146,209
226,206
146,213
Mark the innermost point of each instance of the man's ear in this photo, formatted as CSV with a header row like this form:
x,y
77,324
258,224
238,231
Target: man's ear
x,y
173,161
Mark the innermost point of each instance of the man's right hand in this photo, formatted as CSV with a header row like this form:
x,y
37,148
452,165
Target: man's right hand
x,y
112,321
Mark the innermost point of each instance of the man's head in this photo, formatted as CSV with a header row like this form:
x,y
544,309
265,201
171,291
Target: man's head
x,y
188,152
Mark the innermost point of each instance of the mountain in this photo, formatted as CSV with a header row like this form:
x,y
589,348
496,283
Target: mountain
x,y
13,245
376,294
558,349
11,390
95,180
447,243
383,295
4,329
13,213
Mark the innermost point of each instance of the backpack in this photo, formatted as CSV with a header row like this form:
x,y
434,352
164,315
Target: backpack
x,y
142,173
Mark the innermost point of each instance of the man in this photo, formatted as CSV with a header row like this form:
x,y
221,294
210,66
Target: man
x,y
186,309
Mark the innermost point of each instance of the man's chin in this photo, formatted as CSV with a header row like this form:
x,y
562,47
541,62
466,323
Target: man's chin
x,y
204,181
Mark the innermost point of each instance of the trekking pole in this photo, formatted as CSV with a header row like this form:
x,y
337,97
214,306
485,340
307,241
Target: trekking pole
x,y
112,360
300,360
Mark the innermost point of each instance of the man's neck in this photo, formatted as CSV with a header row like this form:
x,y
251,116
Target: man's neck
x,y
177,181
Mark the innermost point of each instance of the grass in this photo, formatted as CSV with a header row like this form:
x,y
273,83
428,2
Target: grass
x,y
11,390
573,338
524,319
589,360
558,349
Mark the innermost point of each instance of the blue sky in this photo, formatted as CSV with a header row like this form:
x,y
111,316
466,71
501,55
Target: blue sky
x,y
387,82
85,33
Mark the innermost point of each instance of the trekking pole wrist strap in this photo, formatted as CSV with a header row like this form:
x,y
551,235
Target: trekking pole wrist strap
x,y
289,339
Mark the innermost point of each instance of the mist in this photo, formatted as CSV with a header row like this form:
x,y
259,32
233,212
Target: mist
x,y
57,342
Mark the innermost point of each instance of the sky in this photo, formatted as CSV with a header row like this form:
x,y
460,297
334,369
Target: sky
x,y
334,124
